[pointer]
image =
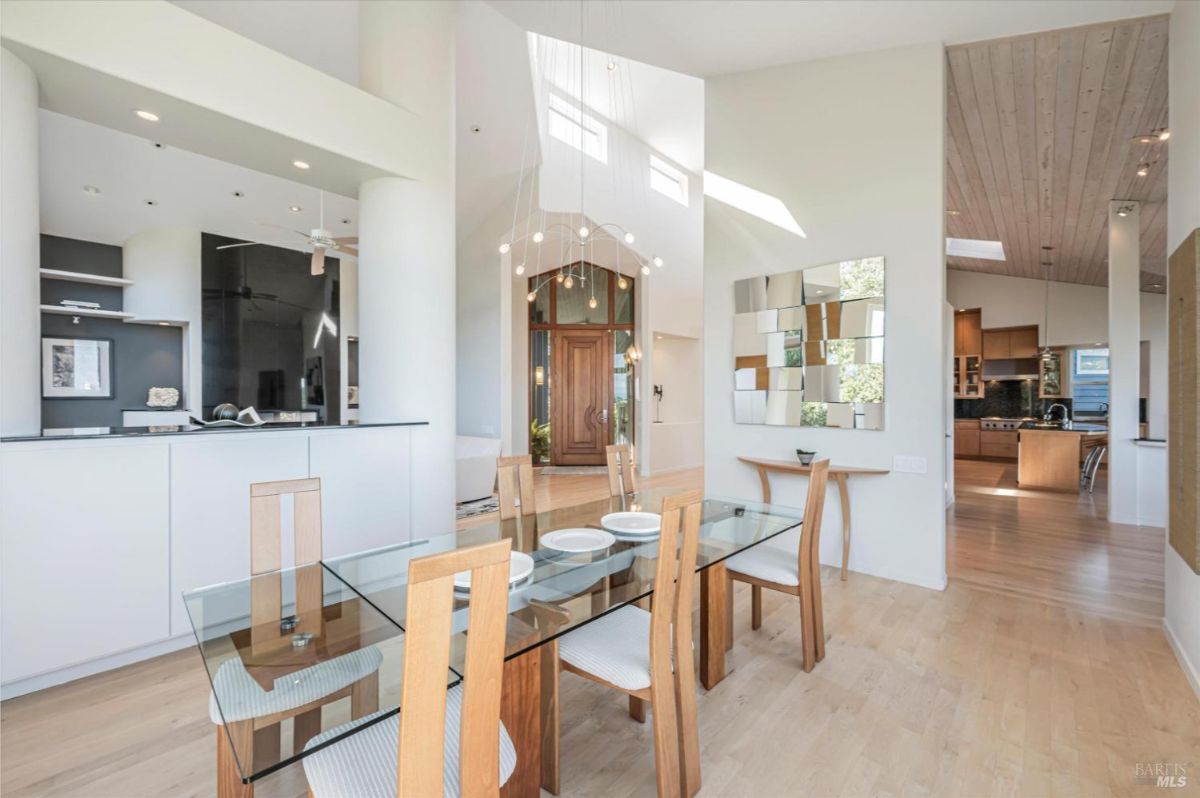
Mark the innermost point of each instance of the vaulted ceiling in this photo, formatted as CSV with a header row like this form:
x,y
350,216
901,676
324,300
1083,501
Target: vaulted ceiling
x,y
1040,138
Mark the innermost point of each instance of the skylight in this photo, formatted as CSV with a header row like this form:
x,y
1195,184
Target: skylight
x,y
584,132
767,207
975,248
668,181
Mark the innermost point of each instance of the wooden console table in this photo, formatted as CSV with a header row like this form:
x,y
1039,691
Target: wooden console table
x,y
840,474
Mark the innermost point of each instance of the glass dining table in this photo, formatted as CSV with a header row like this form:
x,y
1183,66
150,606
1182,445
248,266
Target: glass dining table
x,y
302,658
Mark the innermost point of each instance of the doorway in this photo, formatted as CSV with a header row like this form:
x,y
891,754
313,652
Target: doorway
x,y
582,359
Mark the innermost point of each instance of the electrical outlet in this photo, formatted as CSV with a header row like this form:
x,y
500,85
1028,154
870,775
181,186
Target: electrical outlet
x,y
908,464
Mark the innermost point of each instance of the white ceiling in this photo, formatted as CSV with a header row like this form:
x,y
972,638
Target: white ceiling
x,y
188,189
721,36
320,33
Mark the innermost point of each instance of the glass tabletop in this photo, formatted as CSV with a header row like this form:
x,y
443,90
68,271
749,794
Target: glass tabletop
x,y
564,590
297,661
303,657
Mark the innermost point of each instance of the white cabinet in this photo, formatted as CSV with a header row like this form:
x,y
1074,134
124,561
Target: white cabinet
x,y
365,487
154,418
210,505
83,553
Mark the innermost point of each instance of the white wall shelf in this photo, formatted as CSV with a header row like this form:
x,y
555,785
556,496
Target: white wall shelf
x,y
62,310
158,322
83,277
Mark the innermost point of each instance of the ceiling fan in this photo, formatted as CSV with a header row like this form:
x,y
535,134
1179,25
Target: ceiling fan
x,y
319,239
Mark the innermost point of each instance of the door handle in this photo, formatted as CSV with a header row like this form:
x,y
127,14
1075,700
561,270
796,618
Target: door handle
x,y
604,416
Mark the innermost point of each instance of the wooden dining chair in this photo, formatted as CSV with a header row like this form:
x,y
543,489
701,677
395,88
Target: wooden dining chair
x,y
799,574
443,742
514,477
619,458
248,712
632,650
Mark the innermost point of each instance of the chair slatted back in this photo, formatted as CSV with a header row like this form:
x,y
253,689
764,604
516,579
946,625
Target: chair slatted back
x,y
266,555
514,476
671,626
427,661
619,458
814,511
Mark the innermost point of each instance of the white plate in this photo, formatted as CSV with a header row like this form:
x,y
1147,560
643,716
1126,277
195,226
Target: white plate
x,y
577,541
519,567
632,523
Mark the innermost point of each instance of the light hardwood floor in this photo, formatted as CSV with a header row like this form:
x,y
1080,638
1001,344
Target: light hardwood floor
x,y
1020,679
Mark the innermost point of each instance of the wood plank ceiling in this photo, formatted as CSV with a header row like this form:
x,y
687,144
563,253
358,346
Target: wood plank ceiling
x,y
1040,139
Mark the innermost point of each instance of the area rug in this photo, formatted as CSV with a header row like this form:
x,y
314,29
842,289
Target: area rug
x,y
477,507
564,470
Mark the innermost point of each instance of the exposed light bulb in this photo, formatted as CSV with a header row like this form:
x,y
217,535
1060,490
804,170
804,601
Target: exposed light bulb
x,y
504,248
622,283
569,282
629,238
559,277
658,261
1164,134
612,65
520,270
645,270
538,237
531,296
584,232
592,303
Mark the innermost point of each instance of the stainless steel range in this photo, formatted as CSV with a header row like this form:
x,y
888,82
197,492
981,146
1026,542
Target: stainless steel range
x,y
1000,424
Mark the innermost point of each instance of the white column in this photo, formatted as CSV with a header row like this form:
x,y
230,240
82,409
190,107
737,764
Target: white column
x,y
20,251
1124,345
164,265
407,251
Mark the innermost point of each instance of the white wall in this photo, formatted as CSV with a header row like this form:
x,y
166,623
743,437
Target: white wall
x,y
854,148
1182,621
1078,316
678,441
20,250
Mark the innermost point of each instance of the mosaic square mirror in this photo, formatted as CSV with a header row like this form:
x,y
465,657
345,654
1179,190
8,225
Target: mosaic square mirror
x,y
808,347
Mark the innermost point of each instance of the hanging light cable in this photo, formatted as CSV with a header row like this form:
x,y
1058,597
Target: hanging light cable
x,y
1046,354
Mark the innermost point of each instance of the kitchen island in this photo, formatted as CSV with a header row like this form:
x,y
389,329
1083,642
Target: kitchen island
x,y
1049,456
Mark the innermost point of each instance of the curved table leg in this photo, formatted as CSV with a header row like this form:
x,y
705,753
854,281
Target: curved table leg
x,y
844,494
766,484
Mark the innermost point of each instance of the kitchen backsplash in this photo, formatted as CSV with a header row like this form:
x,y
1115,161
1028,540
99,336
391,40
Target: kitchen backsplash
x,y
1007,399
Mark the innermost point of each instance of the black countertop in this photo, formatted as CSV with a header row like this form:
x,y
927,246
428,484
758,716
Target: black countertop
x,y
84,433
1075,426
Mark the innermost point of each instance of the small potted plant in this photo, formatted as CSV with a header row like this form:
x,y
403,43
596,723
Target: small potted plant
x,y
805,457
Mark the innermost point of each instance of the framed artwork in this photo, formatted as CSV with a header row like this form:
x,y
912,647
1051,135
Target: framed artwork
x,y
77,368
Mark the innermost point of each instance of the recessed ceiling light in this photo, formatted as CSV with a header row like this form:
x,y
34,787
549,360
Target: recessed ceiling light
x,y
1164,134
90,190
149,116
295,208
975,248
1143,169
300,164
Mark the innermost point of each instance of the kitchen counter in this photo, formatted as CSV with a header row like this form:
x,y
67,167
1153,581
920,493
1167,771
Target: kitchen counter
x,y
176,430
1075,426
1049,458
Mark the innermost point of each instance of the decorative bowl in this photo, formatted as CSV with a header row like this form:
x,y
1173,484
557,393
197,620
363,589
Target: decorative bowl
x,y
805,457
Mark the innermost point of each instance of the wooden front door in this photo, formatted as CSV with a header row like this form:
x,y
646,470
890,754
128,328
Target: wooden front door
x,y
580,397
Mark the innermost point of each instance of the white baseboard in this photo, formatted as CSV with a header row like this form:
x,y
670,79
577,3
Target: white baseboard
x,y
1189,668
674,469
32,684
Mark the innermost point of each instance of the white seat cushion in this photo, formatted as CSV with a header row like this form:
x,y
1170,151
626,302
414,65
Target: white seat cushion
x,y
364,764
243,698
779,563
615,647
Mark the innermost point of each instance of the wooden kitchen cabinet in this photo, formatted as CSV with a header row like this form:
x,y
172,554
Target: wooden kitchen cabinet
x,y
1010,343
967,333
995,345
966,438
998,443
1023,342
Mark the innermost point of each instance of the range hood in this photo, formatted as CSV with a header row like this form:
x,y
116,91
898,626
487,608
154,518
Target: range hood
x,y
1020,369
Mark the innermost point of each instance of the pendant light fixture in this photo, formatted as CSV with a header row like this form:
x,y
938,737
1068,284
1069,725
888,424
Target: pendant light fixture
x,y
1046,354
571,233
